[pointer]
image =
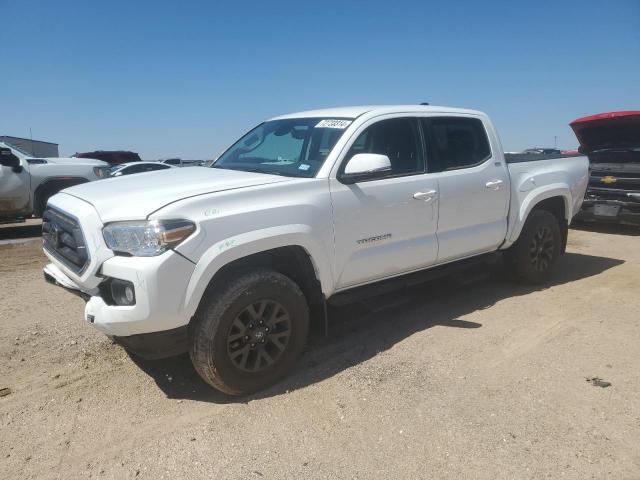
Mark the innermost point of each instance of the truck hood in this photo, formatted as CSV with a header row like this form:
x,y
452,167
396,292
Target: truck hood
x,y
617,130
73,161
622,168
135,197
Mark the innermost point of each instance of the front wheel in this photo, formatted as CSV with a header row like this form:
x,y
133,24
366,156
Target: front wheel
x,y
533,256
249,333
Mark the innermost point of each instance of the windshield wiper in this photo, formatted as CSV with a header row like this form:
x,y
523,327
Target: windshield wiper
x,y
266,171
261,170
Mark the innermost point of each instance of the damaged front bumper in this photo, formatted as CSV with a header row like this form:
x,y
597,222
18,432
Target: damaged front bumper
x,y
155,324
611,206
55,276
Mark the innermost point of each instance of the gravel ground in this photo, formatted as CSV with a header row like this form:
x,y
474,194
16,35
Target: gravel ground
x,y
466,378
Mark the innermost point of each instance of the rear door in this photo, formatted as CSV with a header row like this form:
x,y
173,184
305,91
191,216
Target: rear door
x,y
473,186
386,226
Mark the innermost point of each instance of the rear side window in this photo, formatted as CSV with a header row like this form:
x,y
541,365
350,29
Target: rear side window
x,y
398,139
136,169
455,142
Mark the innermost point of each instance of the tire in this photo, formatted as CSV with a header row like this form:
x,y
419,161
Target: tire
x,y
534,255
252,319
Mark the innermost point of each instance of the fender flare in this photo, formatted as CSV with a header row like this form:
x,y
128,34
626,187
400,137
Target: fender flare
x,y
239,246
533,198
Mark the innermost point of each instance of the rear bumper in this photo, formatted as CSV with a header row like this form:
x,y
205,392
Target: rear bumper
x,y
627,213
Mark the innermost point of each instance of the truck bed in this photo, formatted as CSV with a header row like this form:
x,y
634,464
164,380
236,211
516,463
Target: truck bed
x,y
531,157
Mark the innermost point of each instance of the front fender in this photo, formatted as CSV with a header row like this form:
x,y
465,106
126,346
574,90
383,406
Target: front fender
x,y
239,246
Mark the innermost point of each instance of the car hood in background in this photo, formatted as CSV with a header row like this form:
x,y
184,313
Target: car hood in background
x,y
608,130
135,197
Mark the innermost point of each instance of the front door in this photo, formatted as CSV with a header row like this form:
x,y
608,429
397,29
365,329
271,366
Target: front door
x,y
15,191
386,226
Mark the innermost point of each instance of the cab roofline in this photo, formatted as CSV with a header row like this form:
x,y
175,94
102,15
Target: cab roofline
x,y
356,111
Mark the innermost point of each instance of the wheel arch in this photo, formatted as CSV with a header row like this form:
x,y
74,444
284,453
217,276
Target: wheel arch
x,y
292,252
49,187
555,199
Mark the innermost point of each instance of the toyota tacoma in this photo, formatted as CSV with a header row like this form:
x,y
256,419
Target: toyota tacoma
x,y
235,262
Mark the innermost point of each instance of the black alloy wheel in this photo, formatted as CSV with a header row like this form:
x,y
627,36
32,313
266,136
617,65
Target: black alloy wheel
x,y
259,335
542,249
534,255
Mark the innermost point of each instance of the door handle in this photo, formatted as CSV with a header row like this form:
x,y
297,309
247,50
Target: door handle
x,y
426,196
494,184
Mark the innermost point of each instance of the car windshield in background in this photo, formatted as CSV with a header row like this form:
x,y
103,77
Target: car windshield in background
x,y
294,147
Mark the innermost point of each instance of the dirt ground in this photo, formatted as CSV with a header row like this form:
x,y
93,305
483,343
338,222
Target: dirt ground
x,y
468,378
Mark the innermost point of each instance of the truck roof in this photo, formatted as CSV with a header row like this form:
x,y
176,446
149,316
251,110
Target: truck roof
x,y
356,111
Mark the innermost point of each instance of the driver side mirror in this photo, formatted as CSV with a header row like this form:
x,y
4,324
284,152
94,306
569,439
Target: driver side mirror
x,y
365,166
8,159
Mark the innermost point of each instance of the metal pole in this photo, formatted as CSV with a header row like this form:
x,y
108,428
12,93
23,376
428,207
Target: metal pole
x,y
33,150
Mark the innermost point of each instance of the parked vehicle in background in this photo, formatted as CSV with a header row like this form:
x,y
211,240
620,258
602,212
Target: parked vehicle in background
x,y
571,152
112,157
178,162
612,142
26,183
543,151
234,262
137,167
174,162
194,163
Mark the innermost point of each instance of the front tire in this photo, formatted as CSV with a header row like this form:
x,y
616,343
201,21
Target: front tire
x,y
534,255
249,332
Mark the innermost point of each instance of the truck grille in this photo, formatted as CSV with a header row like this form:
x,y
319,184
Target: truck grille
x,y
615,180
62,237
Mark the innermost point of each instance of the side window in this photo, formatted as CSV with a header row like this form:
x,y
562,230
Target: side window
x,y
398,139
455,142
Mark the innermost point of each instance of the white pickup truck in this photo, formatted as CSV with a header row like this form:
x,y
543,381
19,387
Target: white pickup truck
x,y
26,183
233,263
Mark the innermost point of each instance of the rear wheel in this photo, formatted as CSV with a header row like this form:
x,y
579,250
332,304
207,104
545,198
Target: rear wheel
x,y
249,333
534,255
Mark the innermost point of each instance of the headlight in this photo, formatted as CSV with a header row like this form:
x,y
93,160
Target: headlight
x,y
146,238
101,172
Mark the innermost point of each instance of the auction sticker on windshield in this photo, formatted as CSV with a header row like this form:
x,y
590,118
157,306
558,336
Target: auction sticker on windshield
x,y
333,123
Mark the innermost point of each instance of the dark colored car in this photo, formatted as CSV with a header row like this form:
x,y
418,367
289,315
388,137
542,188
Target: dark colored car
x,y
612,143
113,157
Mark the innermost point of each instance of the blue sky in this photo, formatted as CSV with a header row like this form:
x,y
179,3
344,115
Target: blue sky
x,y
187,78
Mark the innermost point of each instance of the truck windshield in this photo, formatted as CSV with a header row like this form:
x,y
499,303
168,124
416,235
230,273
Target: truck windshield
x,y
293,147
13,147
